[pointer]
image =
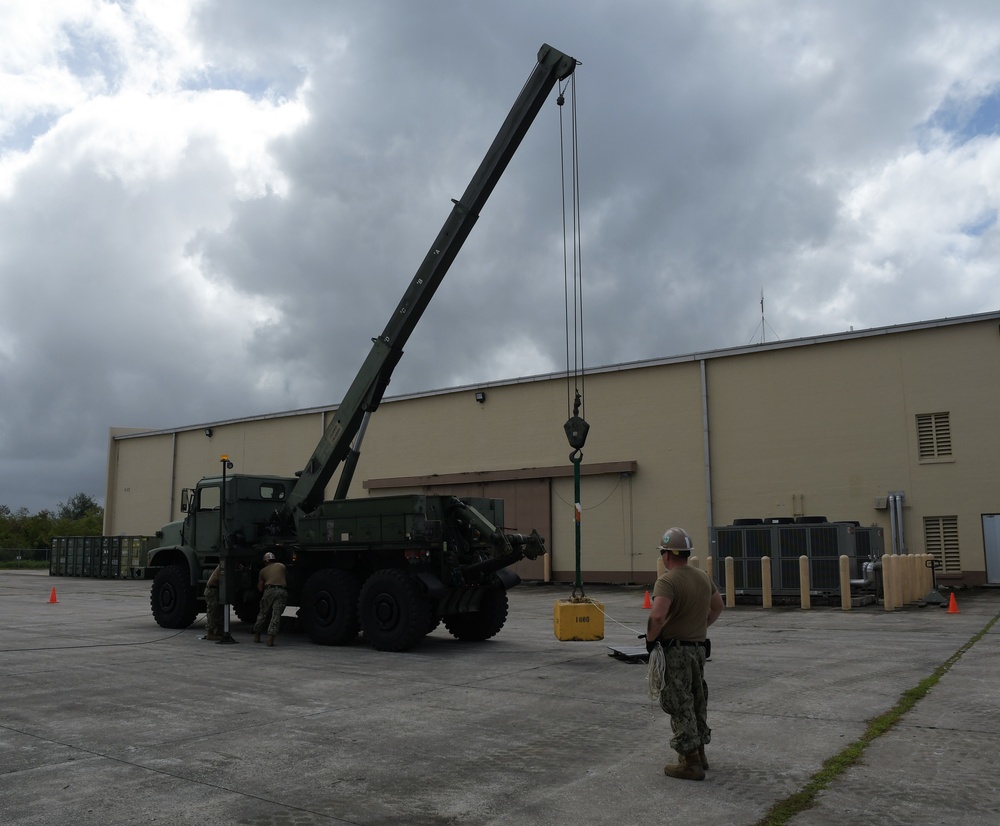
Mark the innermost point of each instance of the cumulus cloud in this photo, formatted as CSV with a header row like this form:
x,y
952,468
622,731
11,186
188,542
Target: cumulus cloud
x,y
207,209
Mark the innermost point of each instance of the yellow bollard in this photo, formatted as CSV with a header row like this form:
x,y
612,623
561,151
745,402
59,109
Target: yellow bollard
x,y
886,583
765,580
897,581
693,562
845,583
730,585
708,567
906,574
805,600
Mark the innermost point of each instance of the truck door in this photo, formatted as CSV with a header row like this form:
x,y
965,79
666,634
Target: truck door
x,y
206,518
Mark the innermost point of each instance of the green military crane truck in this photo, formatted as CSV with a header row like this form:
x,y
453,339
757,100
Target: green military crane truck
x,y
390,567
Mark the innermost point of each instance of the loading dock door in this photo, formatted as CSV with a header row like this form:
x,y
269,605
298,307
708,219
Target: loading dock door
x,y
526,506
991,544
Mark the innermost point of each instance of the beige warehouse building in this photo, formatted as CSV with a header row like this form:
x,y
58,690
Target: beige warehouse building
x,y
846,426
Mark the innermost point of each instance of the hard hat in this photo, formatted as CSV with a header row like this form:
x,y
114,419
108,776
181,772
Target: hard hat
x,y
677,541
269,557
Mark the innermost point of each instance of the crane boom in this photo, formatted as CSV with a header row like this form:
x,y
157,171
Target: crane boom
x,y
369,385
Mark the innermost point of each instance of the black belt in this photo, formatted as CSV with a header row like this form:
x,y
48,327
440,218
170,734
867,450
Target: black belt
x,y
668,643
282,587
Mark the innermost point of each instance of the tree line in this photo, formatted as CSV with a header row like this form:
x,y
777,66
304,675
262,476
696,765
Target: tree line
x,y
80,515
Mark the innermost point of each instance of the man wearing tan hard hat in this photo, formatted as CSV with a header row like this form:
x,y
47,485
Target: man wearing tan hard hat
x,y
685,603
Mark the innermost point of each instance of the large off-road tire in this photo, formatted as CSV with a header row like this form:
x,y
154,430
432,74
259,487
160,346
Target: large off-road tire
x,y
395,615
482,624
172,598
329,610
246,608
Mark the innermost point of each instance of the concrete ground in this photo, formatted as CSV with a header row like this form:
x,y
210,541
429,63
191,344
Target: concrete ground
x,y
106,718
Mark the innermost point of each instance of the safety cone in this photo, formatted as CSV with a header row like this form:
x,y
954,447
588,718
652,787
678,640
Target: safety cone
x,y
952,605
647,603
52,597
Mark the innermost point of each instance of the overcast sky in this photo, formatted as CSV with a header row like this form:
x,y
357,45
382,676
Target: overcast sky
x,y
207,209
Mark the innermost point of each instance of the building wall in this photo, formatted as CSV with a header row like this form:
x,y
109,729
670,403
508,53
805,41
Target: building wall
x,y
830,428
825,426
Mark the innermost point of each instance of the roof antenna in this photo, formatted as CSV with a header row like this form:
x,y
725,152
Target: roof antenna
x,y
763,326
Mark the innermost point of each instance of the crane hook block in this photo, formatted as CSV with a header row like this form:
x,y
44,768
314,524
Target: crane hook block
x,y
576,431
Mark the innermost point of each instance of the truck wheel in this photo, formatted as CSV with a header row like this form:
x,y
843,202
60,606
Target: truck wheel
x,y
246,608
482,624
394,614
329,609
172,598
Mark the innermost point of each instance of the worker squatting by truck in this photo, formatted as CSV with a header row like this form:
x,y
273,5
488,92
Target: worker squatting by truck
x,y
392,568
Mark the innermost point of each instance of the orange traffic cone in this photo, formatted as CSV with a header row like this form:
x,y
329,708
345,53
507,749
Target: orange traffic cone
x,y
52,596
647,603
952,605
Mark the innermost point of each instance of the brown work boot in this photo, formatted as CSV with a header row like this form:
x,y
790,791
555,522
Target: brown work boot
x,y
702,758
270,639
689,768
256,636
213,637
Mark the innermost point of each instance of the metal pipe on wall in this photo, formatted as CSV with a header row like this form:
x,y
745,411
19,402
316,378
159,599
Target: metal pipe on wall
x,y
896,522
708,457
899,521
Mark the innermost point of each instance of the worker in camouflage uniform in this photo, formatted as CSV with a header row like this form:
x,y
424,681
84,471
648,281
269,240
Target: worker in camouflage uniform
x,y
685,603
272,585
213,610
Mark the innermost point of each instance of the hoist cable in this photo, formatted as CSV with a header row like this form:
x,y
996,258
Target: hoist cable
x,y
572,261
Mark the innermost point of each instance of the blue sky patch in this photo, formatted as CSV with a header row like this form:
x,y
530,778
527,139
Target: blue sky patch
x,y
967,119
983,222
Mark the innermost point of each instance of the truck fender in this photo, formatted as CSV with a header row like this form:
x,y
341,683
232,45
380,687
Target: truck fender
x,y
176,555
508,578
431,584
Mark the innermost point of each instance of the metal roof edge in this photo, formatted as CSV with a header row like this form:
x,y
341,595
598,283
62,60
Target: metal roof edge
x,y
724,352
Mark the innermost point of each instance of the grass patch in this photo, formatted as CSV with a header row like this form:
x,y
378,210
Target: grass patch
x,y
24,565
784,810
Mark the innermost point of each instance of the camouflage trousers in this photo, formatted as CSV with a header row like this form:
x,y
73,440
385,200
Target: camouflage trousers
x,y
684,697
272,606
213,611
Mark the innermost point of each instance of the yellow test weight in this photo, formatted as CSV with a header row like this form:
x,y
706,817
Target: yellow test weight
x,y
579,620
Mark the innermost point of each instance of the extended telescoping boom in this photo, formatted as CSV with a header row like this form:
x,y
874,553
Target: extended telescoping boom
x,y
366,392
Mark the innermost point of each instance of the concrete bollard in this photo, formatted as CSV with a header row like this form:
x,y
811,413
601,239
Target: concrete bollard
x,y
805,601
845,583
765,579
907,577
730,585
708,567
694,562
886,583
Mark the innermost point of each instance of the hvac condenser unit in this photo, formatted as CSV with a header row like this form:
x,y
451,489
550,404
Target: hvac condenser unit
x,y
784,541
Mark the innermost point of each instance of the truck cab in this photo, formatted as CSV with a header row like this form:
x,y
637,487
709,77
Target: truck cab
x,y
239,508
